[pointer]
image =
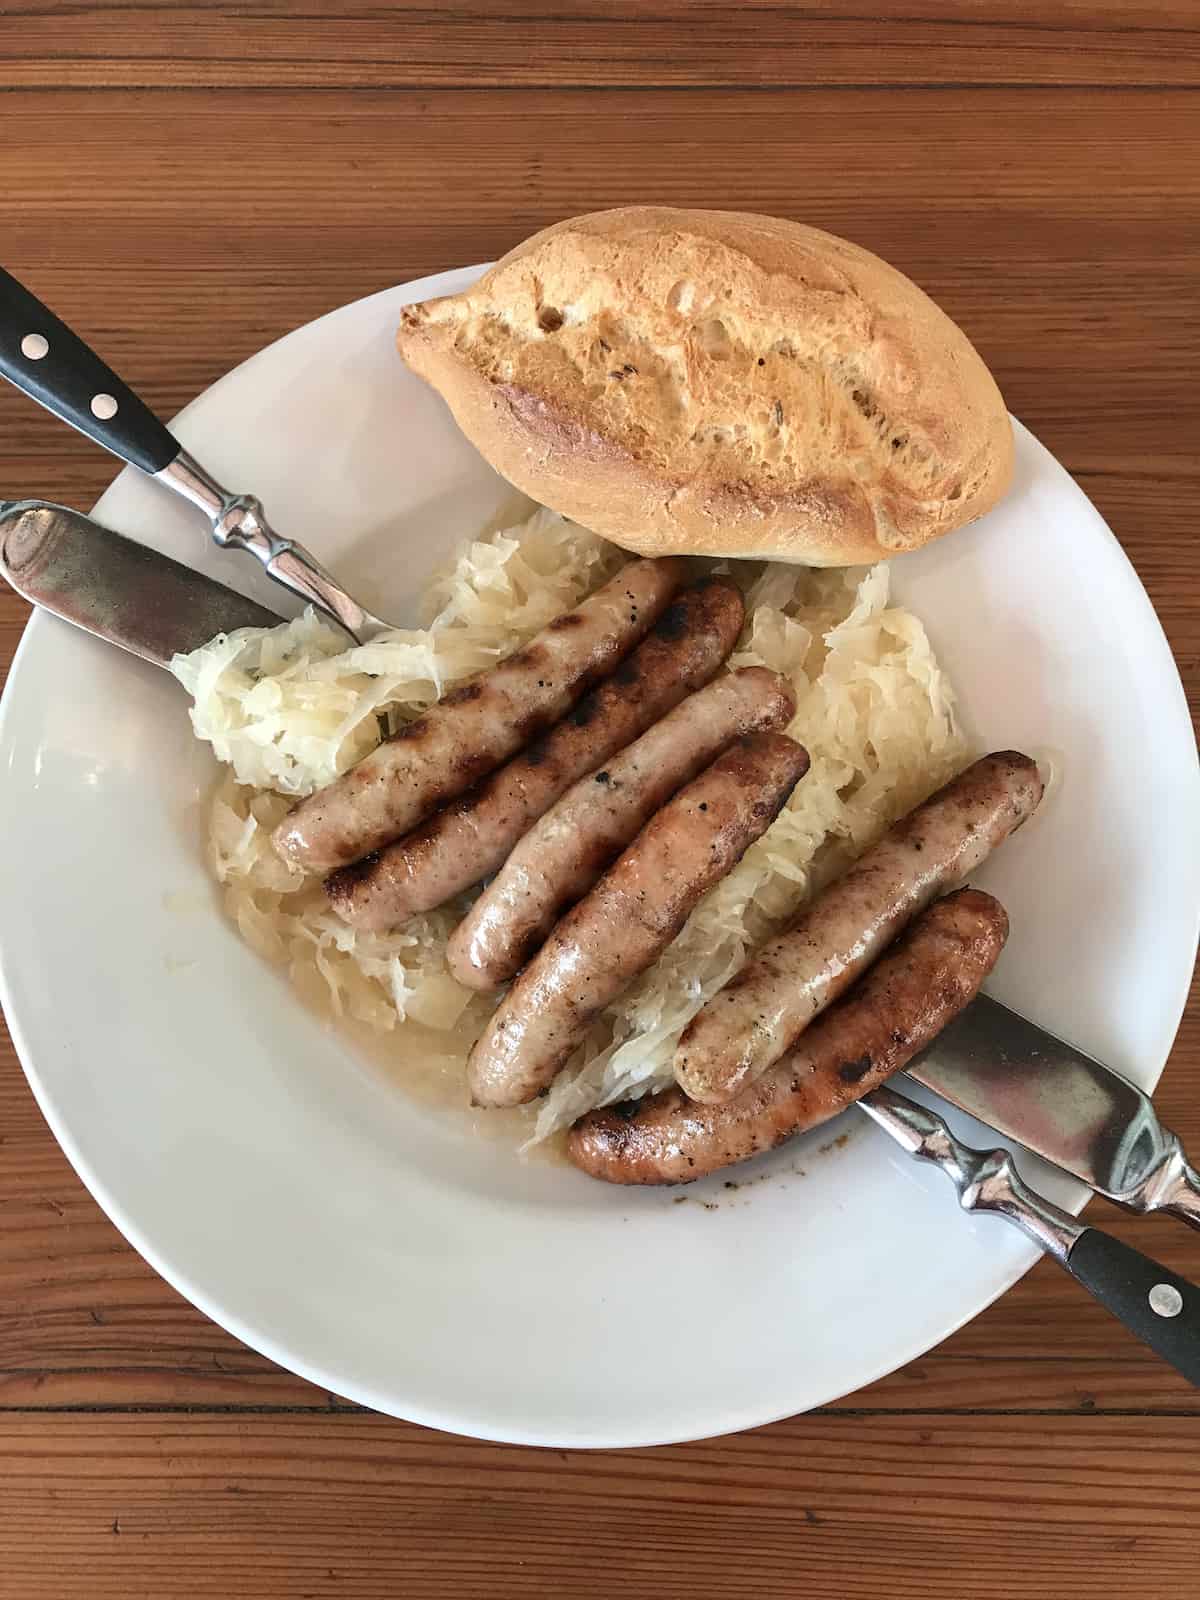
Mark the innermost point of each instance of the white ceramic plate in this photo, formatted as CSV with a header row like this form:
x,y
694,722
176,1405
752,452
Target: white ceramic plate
x,y
283,1185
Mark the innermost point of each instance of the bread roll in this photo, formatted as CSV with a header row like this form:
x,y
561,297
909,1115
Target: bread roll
x,y
716,383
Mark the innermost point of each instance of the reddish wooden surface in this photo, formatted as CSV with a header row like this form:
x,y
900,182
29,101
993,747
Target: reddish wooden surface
x,y
187,182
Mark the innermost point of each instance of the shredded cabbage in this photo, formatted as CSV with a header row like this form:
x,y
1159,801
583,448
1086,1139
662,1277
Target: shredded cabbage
x,y
287,709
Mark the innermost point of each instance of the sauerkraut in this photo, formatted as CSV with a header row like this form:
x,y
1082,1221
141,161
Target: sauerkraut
x,y
286,709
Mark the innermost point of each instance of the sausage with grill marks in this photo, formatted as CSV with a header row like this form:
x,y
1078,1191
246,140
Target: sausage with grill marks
x,y
920,985
630,917
563,854
746,1026
476,726
471,836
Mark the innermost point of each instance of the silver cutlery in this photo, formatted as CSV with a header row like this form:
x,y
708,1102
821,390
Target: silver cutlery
x,y
1061,1103
1157,1305
998,1066
53,365
110,586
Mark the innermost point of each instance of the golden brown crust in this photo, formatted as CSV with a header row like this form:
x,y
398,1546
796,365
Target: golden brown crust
x,y
717,383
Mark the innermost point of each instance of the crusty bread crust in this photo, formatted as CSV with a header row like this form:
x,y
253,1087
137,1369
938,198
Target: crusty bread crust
x,y
717,383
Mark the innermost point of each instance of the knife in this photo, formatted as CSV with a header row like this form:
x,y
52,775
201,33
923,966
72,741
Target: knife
x,y
1038,1090
112,587
1044,1093
51,364
1062,1104
1157,1305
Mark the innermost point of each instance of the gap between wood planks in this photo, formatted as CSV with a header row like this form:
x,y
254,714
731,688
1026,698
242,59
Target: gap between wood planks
x,y
681,90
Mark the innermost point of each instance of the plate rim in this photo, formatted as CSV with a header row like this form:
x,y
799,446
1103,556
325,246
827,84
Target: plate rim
x,y
313,1372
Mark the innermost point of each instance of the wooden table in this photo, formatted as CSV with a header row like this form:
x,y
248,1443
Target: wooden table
x,y
186,182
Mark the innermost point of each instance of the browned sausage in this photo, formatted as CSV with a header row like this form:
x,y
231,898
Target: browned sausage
x,y
764,1008
469,838
561,856
893,1012
476,726
631,916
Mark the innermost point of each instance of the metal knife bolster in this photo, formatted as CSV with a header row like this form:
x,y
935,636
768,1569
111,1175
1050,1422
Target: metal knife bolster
x,y
121,591
1174,1186
1063,1104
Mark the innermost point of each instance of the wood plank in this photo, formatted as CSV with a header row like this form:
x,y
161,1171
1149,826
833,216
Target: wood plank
x,y
1083,309
1118,1380
829,1508
49,44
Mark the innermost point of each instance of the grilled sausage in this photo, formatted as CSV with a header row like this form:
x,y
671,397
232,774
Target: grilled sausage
x,y
470,838
476,726
901,1004
761,1012
561,856
631,916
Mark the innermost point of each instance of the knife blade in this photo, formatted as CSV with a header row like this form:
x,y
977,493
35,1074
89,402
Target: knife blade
x,y
110,586
1063,1105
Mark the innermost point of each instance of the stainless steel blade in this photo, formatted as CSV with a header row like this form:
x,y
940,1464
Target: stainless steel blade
x,y
123,592
1064,1105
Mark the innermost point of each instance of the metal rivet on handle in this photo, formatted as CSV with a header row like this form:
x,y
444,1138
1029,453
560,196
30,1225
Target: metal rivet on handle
x,y
1165,1300
103,406
34,346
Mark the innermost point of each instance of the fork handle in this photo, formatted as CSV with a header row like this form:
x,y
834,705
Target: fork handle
x,y
52,364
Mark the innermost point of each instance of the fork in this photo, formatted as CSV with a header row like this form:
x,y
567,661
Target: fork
x,y
53,365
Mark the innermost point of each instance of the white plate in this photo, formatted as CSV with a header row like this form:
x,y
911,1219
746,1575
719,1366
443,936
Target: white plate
x,y
283,1185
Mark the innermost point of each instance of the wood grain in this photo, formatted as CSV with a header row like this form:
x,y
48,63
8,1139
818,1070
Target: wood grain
x,y
834,1508
186,182
1114,43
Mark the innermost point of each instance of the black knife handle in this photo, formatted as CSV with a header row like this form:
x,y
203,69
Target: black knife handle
x,y
52,365
1157,1305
